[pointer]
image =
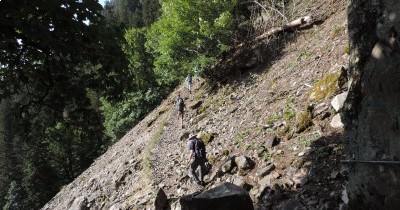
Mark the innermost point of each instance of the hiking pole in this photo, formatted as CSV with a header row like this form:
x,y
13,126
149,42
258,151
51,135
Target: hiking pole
x,y
380,162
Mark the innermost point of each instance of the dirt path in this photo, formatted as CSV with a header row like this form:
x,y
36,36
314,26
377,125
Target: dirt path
x,y
169,161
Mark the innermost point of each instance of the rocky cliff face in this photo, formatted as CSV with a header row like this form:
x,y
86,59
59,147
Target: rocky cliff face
x,y
373,113
269,130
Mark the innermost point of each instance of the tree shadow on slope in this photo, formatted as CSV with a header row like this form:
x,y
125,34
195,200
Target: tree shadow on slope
x,y
256,58
312,181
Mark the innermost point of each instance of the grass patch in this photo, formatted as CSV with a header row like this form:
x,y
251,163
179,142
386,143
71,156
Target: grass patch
x,y
305,142
206,137
304,120
240,136
151,145
289,112
271,118
337,30
304,55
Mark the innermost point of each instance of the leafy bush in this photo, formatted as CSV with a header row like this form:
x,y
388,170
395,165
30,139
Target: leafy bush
x,y
189,35
121,117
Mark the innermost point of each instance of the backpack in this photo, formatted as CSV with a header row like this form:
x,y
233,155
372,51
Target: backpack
x,y
189,79
199,148
179,104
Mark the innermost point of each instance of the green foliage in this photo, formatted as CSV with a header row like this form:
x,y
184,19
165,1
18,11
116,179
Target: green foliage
x,y
189,35
132,13
289,112
52,56
140,62
13,197
240,136
121,117
271,118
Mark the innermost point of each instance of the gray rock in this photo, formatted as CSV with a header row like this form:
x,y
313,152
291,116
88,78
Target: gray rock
x,y
271,142
195,104
338,101
224,197
290,204
266,170
345,197
319,109
176,206
228,166
337,121
244,163
79,203
266,181
239,181
232,110
334,174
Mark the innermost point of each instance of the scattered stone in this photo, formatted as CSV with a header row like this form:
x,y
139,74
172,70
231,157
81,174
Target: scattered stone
x,y
290,204
232,110
176,206
261,151
279,152
266,126
239,181
228,166
266,170
334,174
79,203
279,123
312,202
338,101
275,175
301,154
337,121
345,197
195,104
272,142
319,109
299,180
244,163
184,136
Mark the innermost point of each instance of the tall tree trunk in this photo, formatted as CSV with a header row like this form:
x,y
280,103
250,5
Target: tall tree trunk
x,y
372,112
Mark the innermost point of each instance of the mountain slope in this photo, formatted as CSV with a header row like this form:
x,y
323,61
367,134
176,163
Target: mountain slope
x,y
286,98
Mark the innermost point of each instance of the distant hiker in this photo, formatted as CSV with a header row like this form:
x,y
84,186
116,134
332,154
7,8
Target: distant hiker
x,y
180,107
197,158
189,83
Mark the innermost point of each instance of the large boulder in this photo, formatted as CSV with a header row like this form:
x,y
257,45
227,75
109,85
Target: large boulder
x,y
224,197
243,162
338,101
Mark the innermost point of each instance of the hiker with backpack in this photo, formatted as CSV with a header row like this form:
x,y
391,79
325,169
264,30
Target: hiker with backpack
x,y
189,83
197,158
180,107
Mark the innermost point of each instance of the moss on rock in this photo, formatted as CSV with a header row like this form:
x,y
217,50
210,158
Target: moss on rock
x,y
324,88
206,137
304,120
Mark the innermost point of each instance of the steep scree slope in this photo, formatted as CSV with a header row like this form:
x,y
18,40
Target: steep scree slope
x,y
278,115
